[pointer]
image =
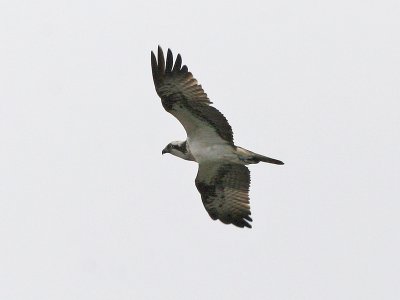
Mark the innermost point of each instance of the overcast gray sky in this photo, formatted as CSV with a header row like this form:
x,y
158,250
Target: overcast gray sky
x,y
89,209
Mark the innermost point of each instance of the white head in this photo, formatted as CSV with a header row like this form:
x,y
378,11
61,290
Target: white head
x,y
178,148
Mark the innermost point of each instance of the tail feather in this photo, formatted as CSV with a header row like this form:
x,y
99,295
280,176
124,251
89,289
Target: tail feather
x,y
250,157
267,159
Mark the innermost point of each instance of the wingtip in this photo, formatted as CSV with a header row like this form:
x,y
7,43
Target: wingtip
x,y
170,61
248,225
243,222
247,221
160,52
178,63
160,60
153,61
154,69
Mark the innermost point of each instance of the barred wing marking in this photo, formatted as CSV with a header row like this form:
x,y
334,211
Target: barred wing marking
x,y
224,190
184,98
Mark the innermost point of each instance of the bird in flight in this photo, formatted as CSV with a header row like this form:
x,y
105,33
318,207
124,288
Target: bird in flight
x,y
223,179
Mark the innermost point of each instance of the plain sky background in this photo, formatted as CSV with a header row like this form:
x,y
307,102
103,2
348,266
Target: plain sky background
x,y
90,209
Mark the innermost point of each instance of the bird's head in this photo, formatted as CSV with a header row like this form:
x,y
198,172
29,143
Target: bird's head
x,y
178,148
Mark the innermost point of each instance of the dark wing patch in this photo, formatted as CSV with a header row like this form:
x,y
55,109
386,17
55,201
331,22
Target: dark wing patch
x,y
179,90
224,190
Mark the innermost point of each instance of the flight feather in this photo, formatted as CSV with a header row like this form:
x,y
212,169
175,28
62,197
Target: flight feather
x,y
183,97
224,190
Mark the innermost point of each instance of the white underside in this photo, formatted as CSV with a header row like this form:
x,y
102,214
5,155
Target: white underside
x,y
206,147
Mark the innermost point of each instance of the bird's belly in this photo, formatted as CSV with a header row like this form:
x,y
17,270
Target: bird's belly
x,y
203,152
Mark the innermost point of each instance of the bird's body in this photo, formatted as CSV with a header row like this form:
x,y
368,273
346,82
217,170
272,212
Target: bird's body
x,y
223,180
204,151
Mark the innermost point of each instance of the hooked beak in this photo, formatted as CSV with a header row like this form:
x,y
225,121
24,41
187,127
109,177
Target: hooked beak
x,y
164,151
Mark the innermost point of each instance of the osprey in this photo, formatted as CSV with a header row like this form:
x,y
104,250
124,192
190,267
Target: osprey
x,y
223,179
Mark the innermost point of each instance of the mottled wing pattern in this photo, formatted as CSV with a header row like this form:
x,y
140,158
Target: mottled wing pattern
x,y
184,98
224,190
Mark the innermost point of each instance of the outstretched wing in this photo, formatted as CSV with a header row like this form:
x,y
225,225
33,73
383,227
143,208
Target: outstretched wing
x,y
224,189
184,98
